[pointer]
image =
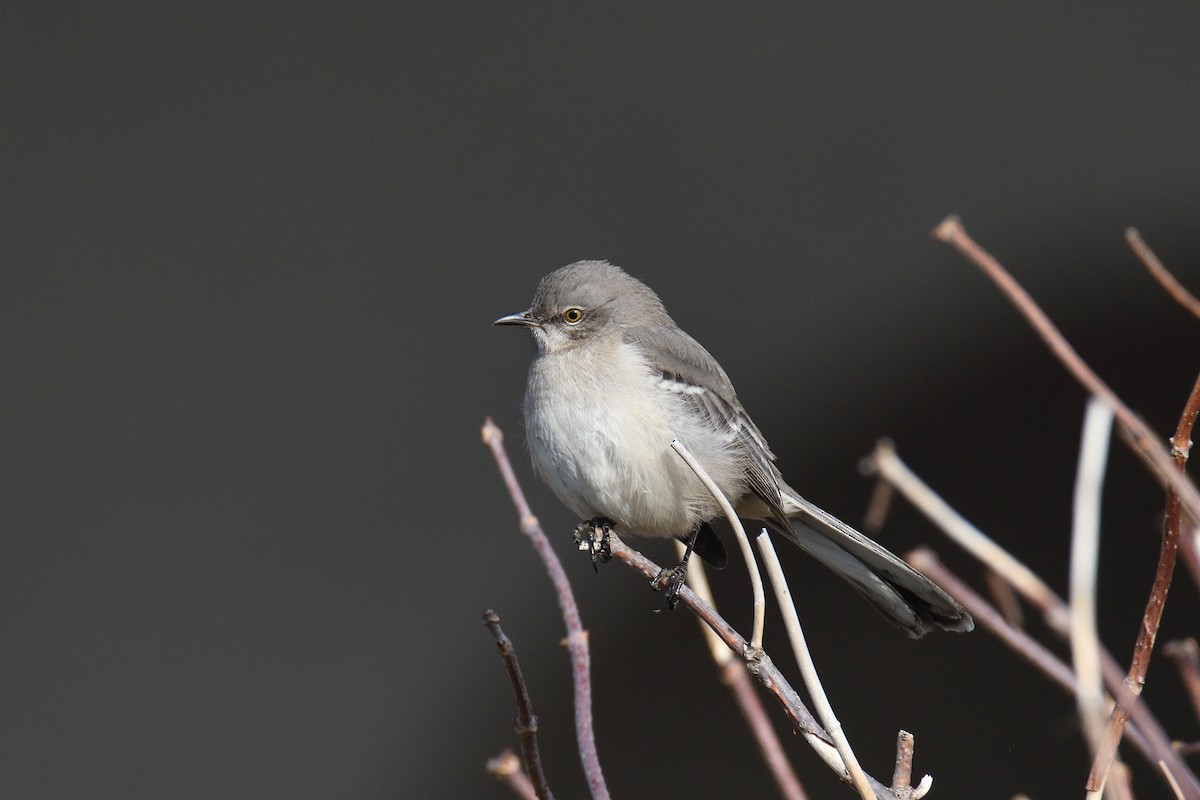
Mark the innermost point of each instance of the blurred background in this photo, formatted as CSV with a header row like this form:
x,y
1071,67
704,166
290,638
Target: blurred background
x,y
251,256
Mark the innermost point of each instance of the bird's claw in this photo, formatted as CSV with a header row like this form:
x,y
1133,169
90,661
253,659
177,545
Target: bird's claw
x,y
592,535
671,581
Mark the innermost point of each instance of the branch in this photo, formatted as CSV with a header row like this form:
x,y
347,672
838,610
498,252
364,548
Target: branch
x,y
1143,441
1161,273
526,722
760,665
1055,613
1136,679
577,638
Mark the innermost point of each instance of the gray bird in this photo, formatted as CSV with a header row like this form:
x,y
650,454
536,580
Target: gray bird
x,y
616,380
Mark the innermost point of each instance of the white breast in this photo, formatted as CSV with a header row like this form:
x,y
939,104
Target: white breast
x,y
600,439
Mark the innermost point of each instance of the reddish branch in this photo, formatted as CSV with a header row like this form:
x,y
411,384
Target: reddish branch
x,y
1136,679
526,722
577,638
1161,273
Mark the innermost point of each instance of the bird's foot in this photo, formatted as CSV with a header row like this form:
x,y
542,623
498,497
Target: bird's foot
x,y
592,535
671,582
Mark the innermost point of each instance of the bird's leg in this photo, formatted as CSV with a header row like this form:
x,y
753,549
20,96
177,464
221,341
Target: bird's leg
x,y
672,579
586,537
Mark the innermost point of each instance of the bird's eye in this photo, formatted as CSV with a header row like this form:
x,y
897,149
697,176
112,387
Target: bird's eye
x,y
572,315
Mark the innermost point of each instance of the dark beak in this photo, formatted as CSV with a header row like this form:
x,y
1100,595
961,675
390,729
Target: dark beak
x,y
520,318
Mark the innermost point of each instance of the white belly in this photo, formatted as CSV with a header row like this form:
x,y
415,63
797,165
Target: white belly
x,y
602,443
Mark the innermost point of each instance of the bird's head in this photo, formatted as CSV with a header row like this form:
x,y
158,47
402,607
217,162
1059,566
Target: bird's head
x,y
580,301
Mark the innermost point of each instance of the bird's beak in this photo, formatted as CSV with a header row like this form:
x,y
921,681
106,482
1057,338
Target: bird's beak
x,y
520,318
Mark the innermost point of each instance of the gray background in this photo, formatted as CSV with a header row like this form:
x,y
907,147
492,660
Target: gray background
x,y
250,259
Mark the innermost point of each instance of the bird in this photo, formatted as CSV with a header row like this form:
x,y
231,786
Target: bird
x,y
615,381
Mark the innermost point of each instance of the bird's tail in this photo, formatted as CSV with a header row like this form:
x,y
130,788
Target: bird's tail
x,y
903,595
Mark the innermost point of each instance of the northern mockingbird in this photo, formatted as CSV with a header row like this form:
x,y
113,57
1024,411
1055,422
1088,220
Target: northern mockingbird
x,y
616,380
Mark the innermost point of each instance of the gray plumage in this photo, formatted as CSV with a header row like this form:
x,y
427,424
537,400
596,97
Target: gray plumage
x,y
615,380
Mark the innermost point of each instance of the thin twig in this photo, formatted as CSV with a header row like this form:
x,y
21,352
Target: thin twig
x,y
1052,607
1161,273
526,722
759,664
577,637
734,675
756,584
1144,441
1136,679
1186,655
506,767
1085,559
808,668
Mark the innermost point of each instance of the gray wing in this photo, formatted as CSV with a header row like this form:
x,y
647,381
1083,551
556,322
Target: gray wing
x,y
689,370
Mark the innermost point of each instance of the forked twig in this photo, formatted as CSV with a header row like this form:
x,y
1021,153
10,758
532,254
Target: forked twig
x,y
1143,440
760,666
577,638
1136,679
526,722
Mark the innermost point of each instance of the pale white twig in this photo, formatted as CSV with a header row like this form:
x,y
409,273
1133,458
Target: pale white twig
x,y
756,584
808,669
1085,556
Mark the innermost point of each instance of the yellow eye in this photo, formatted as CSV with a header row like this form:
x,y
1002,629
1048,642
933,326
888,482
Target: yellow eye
x,y
572,315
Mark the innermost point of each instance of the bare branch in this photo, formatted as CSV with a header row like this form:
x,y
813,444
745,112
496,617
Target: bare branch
x,y
1161,273
1145,443
526,722
1054,610
1144,646
577,638
760,665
